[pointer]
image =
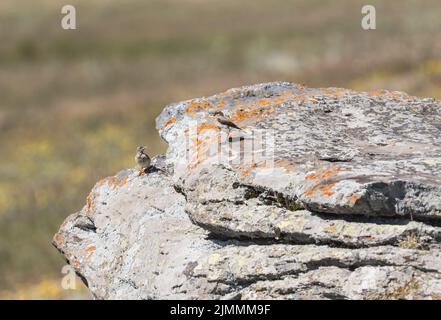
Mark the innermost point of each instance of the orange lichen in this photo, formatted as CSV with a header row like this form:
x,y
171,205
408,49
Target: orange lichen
x,y
264,101
201,149
395,95
194,106
325,189
248,168
206,126
197,142
401,96
254,112
285,164
354,198
310,192
200,145
90,203
331,229
319,176
250,110
376,93
169,122
116,183
279,100
90,249
58,239
242,114
335,92
311,100
324,173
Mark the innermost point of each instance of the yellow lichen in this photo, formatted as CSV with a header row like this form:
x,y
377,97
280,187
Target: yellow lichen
x,y
411,241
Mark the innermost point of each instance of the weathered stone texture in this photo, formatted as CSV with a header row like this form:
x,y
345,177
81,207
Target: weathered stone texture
x,y
341,200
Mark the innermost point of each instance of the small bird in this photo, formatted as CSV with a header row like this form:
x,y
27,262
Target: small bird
x,y
223,120
142,159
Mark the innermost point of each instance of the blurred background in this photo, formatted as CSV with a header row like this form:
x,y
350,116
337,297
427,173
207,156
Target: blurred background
x,y
75,103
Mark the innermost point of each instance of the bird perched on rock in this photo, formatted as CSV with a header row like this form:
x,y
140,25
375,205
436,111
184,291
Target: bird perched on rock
x,y
142,159
224,121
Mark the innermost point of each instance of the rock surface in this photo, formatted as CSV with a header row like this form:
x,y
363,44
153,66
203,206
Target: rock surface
x,y
322,194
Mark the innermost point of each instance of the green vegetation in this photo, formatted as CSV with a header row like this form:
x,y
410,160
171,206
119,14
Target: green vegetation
x,y
74,104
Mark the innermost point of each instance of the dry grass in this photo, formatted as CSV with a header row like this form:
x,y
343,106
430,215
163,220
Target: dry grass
x,y
46,289
74,104
411,241
396,291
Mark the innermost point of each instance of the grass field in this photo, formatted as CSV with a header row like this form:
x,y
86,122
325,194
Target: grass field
x,y
75,103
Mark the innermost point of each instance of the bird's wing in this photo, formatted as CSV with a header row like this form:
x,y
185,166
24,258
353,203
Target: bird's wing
x,y
228,123
232,124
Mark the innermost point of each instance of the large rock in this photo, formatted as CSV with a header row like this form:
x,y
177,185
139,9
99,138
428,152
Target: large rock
x,y
331,150
133,240
323,194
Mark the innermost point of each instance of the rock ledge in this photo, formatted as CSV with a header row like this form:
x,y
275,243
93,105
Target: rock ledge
x,y
322,194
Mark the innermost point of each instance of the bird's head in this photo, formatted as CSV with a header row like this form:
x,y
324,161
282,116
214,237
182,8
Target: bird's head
x,y
217,113
140,148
